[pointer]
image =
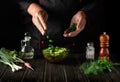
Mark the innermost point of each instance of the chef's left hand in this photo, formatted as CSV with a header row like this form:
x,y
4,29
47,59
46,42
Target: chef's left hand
x,y
80,19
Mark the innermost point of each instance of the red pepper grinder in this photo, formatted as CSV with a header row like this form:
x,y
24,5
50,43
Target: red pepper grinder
x,y
104,44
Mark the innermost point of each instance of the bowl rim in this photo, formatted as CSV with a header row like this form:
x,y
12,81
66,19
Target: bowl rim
x,y
46,55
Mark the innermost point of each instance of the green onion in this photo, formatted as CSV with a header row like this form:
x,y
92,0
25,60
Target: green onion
x,y
10,57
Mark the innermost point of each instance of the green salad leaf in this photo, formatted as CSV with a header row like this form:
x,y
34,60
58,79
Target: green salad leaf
x,y
55,50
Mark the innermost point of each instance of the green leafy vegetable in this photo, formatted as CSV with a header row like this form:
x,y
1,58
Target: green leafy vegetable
x,y
49,40
72,28
55,51
97,66
10,58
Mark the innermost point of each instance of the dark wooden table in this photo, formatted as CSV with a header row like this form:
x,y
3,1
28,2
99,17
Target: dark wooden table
x,y
65,71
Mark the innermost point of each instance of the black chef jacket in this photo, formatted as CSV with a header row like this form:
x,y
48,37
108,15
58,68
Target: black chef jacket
x,y
60,13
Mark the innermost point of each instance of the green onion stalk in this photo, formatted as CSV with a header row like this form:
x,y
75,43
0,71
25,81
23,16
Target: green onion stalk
x,y
11,58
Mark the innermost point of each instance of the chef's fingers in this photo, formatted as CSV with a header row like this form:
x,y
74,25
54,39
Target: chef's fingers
x,y
79,28
42,16
38,24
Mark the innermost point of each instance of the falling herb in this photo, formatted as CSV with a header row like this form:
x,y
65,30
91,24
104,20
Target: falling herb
x,y
97,66
72,28
54,53
49,40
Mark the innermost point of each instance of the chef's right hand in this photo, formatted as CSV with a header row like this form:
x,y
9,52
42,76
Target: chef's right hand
x,y
39,17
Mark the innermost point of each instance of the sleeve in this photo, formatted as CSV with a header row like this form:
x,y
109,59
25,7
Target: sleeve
x,y
93,9
88,5
23,5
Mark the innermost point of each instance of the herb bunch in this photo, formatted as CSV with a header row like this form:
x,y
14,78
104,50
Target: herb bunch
x,y
97,66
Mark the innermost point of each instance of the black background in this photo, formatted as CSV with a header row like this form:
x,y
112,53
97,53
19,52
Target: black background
x,y
11,29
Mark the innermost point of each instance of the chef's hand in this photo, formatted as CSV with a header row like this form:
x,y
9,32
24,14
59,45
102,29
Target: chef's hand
x,y
39,17
80,19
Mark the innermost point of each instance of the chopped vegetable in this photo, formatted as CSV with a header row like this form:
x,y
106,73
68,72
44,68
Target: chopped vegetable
x,y
72,28
55,53
49,40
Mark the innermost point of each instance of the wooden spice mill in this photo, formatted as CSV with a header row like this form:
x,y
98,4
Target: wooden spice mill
x,y
104,44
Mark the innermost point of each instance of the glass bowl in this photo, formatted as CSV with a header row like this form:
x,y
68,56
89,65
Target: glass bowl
x,y
55,54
